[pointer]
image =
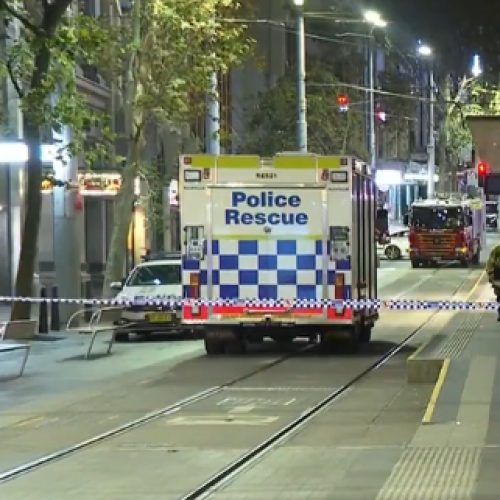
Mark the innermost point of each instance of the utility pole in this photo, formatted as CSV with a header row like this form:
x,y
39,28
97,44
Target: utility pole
x,y
431,151
213,117
443,136
301,78
373,131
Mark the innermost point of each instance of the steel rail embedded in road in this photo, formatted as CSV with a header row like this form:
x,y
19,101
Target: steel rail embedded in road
x,y
236,468
221,478
33,465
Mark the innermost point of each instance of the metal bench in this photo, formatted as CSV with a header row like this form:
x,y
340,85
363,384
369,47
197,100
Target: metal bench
x,y
11,332
103,320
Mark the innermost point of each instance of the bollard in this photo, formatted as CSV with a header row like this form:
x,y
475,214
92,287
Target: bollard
x,y
55,317
43,318
88,295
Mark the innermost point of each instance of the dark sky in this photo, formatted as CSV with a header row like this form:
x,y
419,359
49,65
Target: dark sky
x,y
456,28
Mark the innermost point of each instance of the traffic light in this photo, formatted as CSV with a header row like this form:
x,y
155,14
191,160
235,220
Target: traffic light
x,y
381,116
343,102
482,172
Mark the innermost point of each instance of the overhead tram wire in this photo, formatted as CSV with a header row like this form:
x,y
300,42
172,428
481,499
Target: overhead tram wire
x,y
281,25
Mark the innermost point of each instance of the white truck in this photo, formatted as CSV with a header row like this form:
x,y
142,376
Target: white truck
x,y
278,247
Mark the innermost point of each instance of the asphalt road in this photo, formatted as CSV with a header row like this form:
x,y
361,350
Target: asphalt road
x,y
170,456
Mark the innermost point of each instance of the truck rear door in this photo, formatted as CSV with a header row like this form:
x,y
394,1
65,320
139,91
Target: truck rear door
x,y
265,245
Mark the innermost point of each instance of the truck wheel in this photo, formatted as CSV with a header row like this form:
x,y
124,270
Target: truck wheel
x,y
366,333
122,337
215,347
327,344
464,263
355,340
415,264
236,347
476,258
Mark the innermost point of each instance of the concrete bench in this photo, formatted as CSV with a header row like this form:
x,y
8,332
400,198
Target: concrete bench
x,y
103,320
10,334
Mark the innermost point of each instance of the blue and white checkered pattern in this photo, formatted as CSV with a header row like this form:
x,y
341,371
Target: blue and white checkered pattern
x,y
401,305
266,270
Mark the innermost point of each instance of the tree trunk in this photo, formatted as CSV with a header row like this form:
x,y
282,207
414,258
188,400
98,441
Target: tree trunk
x,y
122,218
29,246
33,204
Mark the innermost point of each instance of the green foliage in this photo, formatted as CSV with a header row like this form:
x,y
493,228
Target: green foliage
x,y
41,63
271,127
159,57
473,98
162,74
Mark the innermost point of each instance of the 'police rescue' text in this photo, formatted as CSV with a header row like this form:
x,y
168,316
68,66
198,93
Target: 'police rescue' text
x,y
270,203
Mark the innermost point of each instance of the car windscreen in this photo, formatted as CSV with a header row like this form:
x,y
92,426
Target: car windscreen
x,y
437,217
158,274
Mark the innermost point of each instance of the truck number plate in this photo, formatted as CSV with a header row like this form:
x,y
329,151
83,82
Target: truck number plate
x,y
160,317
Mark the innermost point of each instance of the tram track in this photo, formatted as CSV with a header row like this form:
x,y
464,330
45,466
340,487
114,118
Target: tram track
x,y
225,474
221,479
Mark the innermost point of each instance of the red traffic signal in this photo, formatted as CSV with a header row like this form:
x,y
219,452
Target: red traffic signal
x,y
482,168
343,100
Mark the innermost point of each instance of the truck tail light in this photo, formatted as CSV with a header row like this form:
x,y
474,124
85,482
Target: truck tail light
x,y
339,293
413,239
460,239
339,287
194,286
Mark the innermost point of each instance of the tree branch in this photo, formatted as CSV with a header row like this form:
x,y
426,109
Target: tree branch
x,y
53,13
14,80
456,101
20,17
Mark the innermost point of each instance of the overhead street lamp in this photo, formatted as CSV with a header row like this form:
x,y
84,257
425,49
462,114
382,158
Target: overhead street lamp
x,y
426,51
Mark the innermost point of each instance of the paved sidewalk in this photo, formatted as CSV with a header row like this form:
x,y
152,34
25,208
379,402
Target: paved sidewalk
x,y
57,368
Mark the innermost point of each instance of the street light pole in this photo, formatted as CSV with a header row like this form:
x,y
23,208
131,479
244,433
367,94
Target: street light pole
x,y
375,20
426,51
301,78
431,154
373,132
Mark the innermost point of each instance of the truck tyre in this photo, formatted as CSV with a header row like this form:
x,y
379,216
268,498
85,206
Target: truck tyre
x,y
327,345
415,264
214,347
476,258
355,340
122,337
366,333
236,347
464,263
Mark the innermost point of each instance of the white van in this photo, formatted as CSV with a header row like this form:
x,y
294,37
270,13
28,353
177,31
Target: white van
x,y
151,280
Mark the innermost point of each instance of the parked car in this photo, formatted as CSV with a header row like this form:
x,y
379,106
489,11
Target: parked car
x,y
154,279
396,246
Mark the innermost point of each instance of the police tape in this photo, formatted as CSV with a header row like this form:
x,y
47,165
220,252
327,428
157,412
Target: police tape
x,y
176,302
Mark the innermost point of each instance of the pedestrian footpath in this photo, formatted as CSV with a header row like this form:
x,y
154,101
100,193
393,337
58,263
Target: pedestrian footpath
x,y
58,367
456,451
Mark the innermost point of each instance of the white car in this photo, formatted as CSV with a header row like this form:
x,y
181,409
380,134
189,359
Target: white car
x,y
397,247
149,281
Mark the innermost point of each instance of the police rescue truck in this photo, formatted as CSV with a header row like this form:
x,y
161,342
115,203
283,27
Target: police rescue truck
x,y
277,247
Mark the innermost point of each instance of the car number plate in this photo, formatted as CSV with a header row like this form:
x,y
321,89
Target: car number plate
x,y
160,317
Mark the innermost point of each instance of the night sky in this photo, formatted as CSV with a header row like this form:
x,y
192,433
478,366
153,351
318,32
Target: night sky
x,y
456,28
